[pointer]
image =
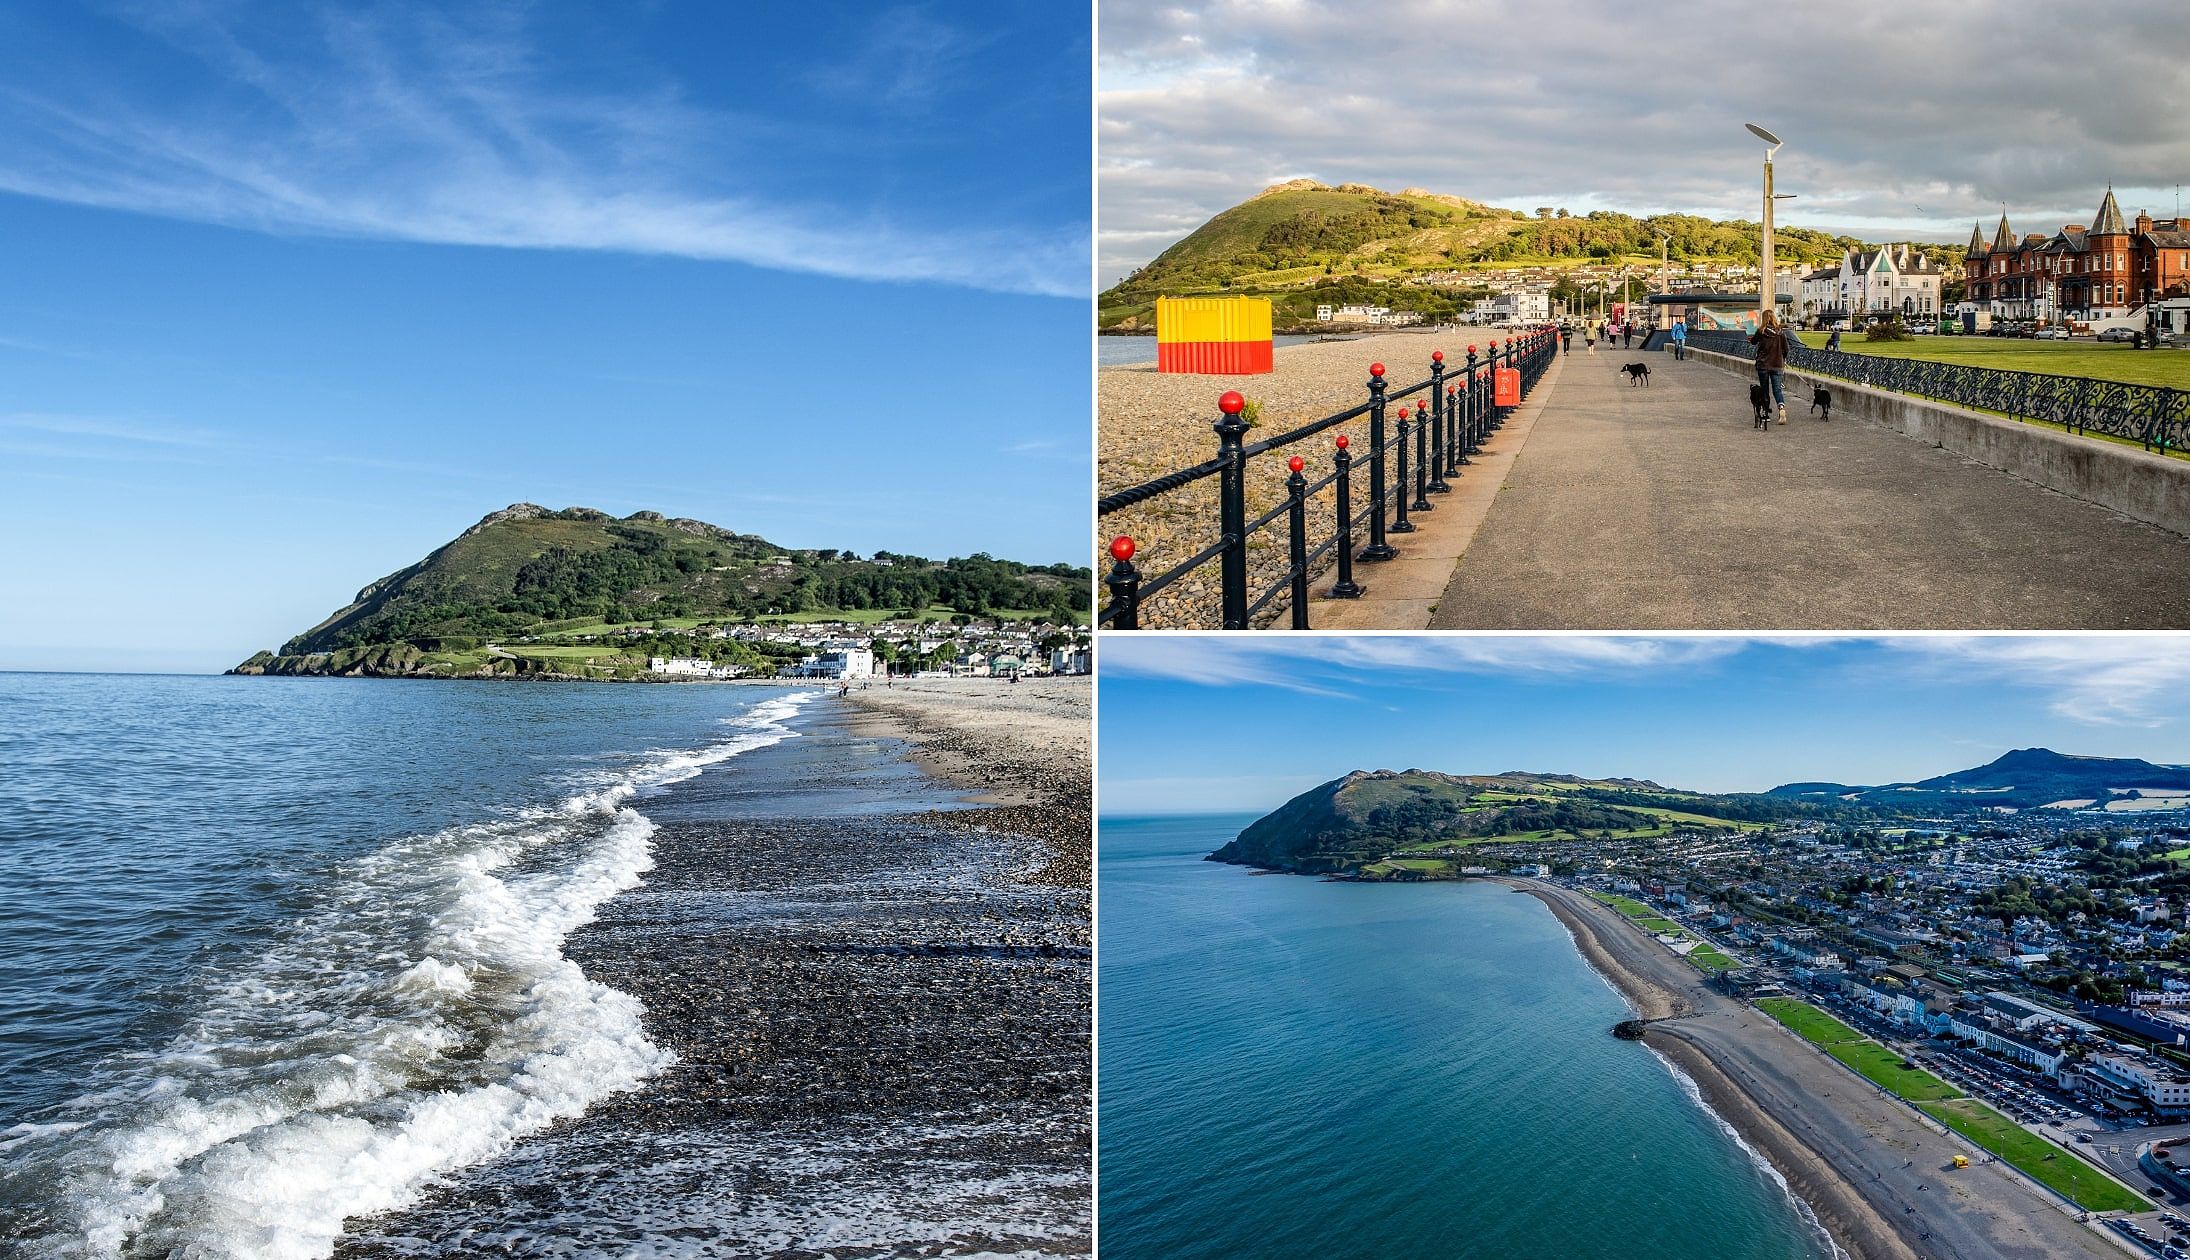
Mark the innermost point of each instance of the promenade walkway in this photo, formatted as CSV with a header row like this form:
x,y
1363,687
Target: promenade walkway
x,y
1661,508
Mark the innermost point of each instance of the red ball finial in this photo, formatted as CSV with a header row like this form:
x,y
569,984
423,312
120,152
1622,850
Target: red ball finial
x,y
1231,404
1295,463
1376,369
1451,390
1437,356
1121,548
1471,347
1420,406
1342,442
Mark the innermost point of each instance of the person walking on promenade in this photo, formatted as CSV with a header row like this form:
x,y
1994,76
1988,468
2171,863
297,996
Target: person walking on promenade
x,y
1589,338
1566,339
1627,336
1771,344
1680,340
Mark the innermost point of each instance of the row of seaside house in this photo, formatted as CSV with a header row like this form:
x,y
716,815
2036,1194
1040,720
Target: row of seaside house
x,y
2075,1051
2079,1050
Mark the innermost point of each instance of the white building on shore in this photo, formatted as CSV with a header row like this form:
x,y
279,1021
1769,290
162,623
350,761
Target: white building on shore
x,y
691,667
836,663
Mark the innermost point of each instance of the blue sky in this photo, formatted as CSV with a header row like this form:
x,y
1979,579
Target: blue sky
x,y
1209,723
295,293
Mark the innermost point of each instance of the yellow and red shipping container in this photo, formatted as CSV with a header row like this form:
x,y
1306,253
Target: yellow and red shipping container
x,y
1215,336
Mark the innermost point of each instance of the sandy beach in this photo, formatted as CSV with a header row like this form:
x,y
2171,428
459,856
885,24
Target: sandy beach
x,y
1149,423
1875,1174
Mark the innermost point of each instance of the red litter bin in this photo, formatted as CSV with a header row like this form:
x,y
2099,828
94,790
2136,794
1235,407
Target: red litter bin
x,y
1505,387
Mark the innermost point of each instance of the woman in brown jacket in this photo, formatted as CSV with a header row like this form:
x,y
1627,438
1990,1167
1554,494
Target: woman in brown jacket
x,y
1771,343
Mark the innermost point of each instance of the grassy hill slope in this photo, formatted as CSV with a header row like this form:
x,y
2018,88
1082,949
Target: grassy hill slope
x,y
550,580
1303,243
1368,816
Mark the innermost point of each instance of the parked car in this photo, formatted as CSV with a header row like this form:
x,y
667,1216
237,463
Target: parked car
x,y
2119,334
2051,334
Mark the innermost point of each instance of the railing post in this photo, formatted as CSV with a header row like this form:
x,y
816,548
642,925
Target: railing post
x,y
1378,548
1474,440
1400,523
1296,487
1232,508
1456,447
1440,425
1421,459
1345,587
1125,586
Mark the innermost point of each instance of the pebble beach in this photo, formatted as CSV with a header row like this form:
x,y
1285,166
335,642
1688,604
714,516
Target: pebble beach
x,y
875,980
1149,424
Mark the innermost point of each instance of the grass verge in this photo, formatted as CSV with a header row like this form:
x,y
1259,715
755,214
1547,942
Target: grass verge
x,y
2047,1162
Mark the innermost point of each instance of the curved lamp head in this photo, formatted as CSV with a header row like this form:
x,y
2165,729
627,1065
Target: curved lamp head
x,y
1761,134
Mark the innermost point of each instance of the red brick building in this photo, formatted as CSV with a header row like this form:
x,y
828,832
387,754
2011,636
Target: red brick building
x,y
2107,270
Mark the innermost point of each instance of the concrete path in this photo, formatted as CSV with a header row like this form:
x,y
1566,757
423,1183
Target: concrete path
x,y
1402,593
1661,508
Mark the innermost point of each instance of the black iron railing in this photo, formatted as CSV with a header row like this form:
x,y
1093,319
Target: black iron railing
x,y
1410,457
2153,415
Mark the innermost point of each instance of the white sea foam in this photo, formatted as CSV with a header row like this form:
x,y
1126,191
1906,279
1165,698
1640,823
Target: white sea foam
x,y
422,1018
1801,1205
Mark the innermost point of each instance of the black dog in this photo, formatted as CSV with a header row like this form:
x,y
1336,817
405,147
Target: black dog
x,y
1761,399
1821,398
1637,373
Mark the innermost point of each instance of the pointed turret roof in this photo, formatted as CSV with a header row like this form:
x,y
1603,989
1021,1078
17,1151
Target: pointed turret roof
x,y
1977,240
2001,237
2109,222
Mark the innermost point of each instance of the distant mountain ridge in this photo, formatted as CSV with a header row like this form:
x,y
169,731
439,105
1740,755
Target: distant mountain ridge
x,y
2024,778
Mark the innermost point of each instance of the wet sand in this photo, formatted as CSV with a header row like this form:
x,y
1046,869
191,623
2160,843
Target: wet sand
x,y
1875,1173
881,1019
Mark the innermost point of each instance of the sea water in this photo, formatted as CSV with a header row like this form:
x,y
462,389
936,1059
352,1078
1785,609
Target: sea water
x,y
275,952
1296,1068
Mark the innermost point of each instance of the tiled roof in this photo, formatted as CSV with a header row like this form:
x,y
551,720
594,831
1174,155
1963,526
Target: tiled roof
x,y
2110,216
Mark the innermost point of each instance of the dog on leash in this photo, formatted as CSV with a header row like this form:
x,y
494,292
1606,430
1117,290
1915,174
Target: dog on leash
x,y
1821,399
1761,399
1637,373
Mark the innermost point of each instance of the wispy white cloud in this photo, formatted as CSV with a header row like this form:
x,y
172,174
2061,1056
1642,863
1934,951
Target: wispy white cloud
x,y
2096,679
1318,664
418,128
108,428
2100,679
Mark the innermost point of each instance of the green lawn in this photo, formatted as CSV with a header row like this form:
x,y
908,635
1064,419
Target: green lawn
x,y
1877,1064
2055,1166
2049,1163
1705,957
563,652
2109,361
1710,960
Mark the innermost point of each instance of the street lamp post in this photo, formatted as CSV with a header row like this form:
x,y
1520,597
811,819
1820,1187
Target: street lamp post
x,y
1767,271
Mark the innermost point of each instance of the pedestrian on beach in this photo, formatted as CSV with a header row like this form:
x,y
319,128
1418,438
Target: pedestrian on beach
x,y
1771,343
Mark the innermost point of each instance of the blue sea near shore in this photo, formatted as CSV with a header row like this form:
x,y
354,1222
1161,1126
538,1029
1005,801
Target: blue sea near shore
x,y
275,951
1296,1068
